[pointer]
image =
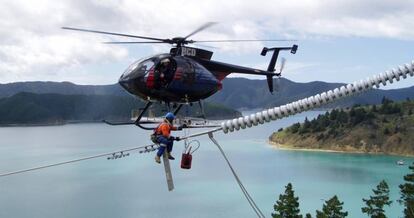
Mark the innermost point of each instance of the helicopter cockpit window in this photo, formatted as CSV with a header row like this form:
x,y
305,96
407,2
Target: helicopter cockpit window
x,y
139,68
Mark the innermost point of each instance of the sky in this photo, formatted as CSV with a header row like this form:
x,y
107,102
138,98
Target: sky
x,y
339,41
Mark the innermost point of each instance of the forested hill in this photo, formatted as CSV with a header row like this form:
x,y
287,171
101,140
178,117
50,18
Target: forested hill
x,y
30,108
245,93
385,128
236,93
66,88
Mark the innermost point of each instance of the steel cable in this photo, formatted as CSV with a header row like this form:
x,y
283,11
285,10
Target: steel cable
x,y
244,190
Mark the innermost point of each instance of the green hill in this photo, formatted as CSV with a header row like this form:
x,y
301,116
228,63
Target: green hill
x,y
385,128
245,93
30,108
65,88
236,92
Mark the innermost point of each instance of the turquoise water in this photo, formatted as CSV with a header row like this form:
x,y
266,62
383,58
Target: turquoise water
x,y
135,186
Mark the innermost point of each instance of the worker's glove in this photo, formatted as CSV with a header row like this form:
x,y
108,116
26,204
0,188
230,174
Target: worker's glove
x,y
177,138
182,127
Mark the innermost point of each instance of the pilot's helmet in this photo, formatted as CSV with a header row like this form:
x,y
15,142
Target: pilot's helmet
x,y
165,61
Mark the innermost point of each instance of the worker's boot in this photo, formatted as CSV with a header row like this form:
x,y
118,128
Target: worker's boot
x,y
157,159
170,156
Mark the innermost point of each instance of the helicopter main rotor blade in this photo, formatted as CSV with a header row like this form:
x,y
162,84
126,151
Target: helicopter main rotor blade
x,y
132,42
207,46
247,40
201,28
116,34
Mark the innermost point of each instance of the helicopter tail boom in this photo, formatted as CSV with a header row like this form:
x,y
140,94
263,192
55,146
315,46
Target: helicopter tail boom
x,y
221,70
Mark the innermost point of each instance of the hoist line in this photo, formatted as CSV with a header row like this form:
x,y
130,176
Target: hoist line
x,y
244,190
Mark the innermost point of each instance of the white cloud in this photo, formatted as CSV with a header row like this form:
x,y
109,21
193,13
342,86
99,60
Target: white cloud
x,y
33,47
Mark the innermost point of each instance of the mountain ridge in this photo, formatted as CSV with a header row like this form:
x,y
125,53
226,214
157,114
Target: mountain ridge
x,y
25,108
236,92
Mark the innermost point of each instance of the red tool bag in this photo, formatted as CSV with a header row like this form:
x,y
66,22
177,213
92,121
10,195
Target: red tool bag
x,y
187,156
186,159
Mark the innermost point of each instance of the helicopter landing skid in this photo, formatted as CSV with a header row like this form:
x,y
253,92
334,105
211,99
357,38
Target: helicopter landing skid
x,y
186,123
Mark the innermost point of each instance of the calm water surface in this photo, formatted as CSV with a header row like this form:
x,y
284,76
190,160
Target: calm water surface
x,y
135,186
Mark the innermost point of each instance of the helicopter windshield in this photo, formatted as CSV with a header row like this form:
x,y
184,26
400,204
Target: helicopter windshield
x,y
138,68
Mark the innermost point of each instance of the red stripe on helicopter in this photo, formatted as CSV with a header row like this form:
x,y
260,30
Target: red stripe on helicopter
x,y
178,74
221,75
150,78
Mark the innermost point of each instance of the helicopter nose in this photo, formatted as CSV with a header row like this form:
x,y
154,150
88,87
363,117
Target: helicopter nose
x,y
126,81
123,82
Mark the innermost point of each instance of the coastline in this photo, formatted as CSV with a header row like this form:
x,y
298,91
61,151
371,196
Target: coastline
x,y
275,145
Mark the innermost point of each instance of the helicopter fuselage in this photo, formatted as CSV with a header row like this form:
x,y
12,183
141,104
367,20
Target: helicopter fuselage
x,y
184,80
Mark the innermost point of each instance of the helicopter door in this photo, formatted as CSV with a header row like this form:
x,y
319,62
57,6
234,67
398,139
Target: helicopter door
x,y
164,73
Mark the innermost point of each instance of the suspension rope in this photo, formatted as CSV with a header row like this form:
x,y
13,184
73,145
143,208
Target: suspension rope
x,y
244,190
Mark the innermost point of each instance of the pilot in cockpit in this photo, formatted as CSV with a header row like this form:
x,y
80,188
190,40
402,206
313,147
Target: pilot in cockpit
x,y
165,72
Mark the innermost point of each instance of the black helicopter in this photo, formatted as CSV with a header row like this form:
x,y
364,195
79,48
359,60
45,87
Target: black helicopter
x,y
185,74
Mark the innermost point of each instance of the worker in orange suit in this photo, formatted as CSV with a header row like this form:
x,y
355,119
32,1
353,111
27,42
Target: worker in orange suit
x,y
164,138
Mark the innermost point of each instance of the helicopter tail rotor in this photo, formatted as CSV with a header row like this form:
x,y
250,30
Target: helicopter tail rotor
x,y
272,64
282,66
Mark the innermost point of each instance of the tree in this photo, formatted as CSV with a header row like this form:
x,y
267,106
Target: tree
x,y
386,131
332,209
407,193
376,203
359,115
374,108
288,205
294,128
305,127
342,117
386,100
333,115
306,123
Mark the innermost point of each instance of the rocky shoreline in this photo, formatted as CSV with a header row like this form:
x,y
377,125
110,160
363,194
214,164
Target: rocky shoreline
x,y
279,146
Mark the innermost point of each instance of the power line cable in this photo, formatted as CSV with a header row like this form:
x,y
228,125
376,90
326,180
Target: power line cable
x,y
145,148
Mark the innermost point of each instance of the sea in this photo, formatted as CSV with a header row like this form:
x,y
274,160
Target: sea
x,y
135,186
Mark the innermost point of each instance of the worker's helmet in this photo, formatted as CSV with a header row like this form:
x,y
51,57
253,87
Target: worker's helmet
x,y
170,116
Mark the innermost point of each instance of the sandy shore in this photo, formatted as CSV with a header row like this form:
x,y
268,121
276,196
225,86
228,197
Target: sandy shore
x,y
279,146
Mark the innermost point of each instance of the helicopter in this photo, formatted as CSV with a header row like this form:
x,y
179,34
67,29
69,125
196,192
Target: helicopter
x,y
184,75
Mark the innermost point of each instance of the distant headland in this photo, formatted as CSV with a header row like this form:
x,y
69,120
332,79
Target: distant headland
x,y
381,129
